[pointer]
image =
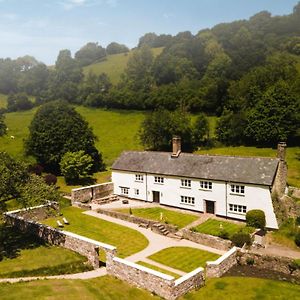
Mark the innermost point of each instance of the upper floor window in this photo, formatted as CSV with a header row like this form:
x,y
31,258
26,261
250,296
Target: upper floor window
x,y
186,183
206,185
139,177
237,189
124,190
158,179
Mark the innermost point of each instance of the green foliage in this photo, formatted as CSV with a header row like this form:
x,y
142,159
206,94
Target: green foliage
x,y
75,165
241,238
297,239
16,102
201,130
36,192
256,218
2,125
115,48
50,179
56,129
89,53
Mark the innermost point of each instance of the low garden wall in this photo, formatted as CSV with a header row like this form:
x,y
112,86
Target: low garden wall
x,y
82,245
134,219
220,266
206,239
268,262
92,192
161,284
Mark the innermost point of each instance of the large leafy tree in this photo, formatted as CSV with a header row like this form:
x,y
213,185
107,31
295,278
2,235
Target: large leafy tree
x,y
89,54
56,129
115,48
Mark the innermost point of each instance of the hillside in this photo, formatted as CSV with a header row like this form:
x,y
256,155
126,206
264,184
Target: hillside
x,y
114,65
3,100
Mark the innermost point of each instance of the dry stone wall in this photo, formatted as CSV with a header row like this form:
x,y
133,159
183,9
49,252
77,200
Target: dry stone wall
x,y
206,239
82,245
92,192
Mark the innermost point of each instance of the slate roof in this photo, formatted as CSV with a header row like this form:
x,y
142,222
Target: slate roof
x,y
254,170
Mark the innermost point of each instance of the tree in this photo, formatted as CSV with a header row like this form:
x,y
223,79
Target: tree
x,y
75,165
159,127
13,175
56,129
36,192
200,130
17,102
115,48
89,53
2,125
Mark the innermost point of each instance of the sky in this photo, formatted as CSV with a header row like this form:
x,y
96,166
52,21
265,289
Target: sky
x,y
43,27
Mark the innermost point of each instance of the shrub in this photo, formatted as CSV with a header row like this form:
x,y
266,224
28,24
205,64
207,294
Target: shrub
x,y
223,234
294,265
250,261
241,238
297,238
50,179
256,218
298,220
36,169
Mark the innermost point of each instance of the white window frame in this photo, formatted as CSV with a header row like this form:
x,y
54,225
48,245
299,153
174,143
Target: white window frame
x,y
237,189
237,209
205,185
186,183
159,179
124,190
187,200
139,177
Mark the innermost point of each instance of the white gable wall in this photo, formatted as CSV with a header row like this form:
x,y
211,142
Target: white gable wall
x,y
255,197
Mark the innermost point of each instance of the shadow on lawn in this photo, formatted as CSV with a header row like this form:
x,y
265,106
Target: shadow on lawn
x,y
12,241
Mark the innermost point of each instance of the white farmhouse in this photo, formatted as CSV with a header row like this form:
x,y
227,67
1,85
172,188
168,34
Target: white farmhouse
x,y
227,186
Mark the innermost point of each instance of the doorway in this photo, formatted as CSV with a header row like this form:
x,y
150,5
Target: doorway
x,y
156,196
210,207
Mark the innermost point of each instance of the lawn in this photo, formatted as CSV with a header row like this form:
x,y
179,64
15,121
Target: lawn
x,y
106,288
236,288
114,65
3,100
185,259
292,161
179,219
216,227
127,241
43,260
142,263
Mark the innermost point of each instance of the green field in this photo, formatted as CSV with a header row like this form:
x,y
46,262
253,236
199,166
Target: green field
x,y
127,241
114,65
179,219
185,259
216,227
41,261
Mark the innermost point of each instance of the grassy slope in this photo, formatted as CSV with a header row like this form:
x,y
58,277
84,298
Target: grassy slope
x,y
127,241
3,100
170,216
114,65
42,260
185,259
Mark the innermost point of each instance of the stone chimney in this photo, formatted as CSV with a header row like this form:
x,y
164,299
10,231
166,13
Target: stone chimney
x,y
279,185
176,143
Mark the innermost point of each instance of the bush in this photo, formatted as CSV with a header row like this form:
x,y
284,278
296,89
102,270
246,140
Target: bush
x,y
223,234
36,169
297,239
294,265
50,179
256,218
250,261
298,220
241,238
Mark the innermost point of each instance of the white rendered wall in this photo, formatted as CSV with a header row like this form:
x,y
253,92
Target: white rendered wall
x,y
255,197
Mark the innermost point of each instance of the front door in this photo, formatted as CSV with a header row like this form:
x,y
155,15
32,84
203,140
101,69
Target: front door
x,y
155,196
210,207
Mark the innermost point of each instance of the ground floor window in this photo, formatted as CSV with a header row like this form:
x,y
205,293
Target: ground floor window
x,y
136,191
124,190
187,200
237,208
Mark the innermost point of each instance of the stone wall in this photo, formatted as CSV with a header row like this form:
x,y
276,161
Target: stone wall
x,y
82,245
134,219
206,239
87,193
273,263
220,266
161,284
295,192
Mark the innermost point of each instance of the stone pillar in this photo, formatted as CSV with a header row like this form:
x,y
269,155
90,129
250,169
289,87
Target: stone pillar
x,y
281,175
176,143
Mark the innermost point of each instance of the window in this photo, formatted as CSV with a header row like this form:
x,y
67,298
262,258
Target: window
x,y
237,208
136,192
206,185
186,183
158,179
124,190
139,177
187,200
238,189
